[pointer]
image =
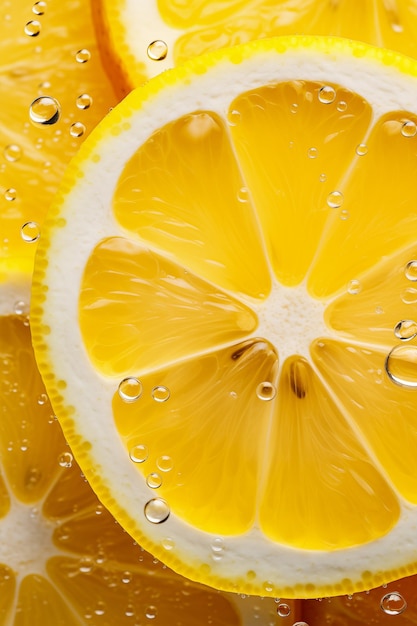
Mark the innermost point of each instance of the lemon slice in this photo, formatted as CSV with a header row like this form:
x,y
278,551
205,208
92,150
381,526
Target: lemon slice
x,y
54,91
224,316
139,38
63,558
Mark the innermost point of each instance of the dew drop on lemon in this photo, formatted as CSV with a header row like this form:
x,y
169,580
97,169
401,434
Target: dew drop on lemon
x,y
83,55
312,153
354,287
12,152
401,365
160,393
10,194
30,232
151,612
283,609
157,511
409,129
393,603
32,28
154,480
84,101
77,129
361,149
157,50
139,453
65,459
342,106
335,199
411,270
405,330
327,94
39,8
266,391
130,389
44,111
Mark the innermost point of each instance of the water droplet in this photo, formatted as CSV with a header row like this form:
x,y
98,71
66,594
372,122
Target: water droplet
x,y
100,608
312,153
411,270
156,511
266,391
126,577
164,463
130,610
21,308
130,389
233,117
139,453
85,565
168,543
217,545
160,393
44,111
65,459
157,50
342,106
294,107
243,194
300,624
344,214
12,152
10,194
283,609
401,365
33,28
83,55
77,129
406,330
409,296
327,94
39,8
154,480
30,232
409,129
354,286
84,101
335,199
151,612
322,178
361,149
393,603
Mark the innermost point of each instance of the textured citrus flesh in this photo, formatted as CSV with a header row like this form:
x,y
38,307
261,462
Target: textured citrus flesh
x,y
64,560
193,28
33,157
189,327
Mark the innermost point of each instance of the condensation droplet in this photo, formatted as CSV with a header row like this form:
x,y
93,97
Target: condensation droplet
x,y
411,270
335,199
361,149
157,511
160,393
39,8
157,50
409,129
130,389
44,111
266,391
283,609
84,101
401,365
33,28
83,55
77,129
312,153
139,453
10,194
154,480
405,330
12,152
393,603
65,459
327,94
30,232
151,612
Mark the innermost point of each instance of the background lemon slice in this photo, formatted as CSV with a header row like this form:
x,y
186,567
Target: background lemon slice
x,y
216,306
140,38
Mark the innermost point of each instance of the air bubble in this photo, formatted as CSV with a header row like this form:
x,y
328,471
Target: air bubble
x,y
10,194
139,453
12,152
393,603
154,480
83,55
409,129
312,153
44,111
33,28
411,271
30,232
335,199
266,391
405,330
130,389
401,366
157,511
77,129
39,8
361,149
65,459
160,393
84,101
157,50
327,94
283,609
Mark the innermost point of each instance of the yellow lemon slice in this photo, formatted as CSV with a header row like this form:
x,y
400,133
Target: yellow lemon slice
x,y
54,91
63,558
224,316
139,38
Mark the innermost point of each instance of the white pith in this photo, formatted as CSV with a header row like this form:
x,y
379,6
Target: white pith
x,y
386,89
